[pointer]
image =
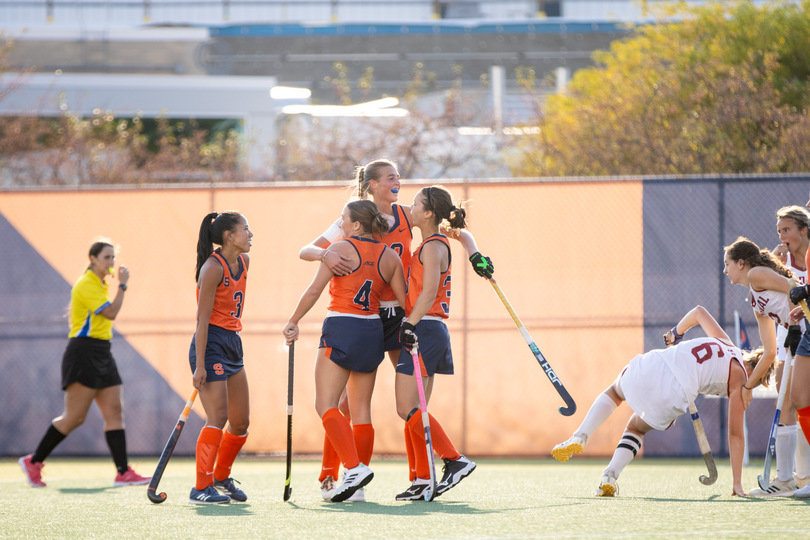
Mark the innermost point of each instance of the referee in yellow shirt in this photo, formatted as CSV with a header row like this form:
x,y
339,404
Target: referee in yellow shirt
x,y
89,372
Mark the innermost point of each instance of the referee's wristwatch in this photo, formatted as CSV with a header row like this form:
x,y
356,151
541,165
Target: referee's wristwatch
x,y
123,286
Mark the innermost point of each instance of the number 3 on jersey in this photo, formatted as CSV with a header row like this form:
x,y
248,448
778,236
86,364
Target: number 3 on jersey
x,y
363,296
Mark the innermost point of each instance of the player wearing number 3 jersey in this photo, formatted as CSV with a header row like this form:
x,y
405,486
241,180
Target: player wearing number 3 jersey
x,y
215,354
659,385
351,345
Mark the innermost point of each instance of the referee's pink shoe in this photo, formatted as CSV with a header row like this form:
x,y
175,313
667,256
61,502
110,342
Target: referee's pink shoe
x,y
33,471
130,478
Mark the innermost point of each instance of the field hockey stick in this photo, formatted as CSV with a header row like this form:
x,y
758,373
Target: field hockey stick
x,y
703,443
151,491
764,480
290,369
430,492
571,406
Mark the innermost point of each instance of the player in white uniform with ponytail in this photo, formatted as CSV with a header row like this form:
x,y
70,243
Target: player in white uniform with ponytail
x,y
659,385
792,449
766,278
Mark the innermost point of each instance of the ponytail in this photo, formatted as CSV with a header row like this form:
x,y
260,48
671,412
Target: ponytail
x,y
205,245
440,202
212,228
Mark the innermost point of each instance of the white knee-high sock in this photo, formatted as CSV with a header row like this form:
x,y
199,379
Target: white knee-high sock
x,y
802,465
786,442
625,452
601,409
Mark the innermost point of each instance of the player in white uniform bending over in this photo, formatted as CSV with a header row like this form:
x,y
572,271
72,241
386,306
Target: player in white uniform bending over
x,y
659,385
792,449
766,279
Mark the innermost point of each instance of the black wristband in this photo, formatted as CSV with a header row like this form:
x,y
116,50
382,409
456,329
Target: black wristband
x,y
122,286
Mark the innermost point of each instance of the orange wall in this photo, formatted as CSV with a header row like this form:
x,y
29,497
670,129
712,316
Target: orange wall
x,y
567,255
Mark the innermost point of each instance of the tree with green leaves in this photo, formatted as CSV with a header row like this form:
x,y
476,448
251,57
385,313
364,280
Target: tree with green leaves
x,y
718,88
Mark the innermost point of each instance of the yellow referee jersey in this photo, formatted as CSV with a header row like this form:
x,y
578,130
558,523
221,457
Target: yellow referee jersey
x,y
88,298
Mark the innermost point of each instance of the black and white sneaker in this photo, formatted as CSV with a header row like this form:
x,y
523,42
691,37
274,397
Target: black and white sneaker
x,y
416,492
454,472
227,487
353,479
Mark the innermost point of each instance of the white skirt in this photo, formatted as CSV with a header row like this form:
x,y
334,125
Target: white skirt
x,y
652,391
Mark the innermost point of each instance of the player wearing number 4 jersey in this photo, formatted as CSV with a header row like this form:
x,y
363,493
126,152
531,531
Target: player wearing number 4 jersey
x,y
659,385
215,355
379,179
351,345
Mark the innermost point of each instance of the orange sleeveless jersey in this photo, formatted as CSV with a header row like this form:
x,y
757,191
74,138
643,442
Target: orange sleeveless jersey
x,y
359,293
399,239
416,271
230,296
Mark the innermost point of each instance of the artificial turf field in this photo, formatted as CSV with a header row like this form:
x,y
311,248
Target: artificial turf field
x,y
501,499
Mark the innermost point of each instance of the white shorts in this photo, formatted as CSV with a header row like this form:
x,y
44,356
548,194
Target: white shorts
x,y
652,391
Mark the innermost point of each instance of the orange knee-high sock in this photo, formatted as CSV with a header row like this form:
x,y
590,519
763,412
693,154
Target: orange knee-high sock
x,y
409,451
364,442
340,434
442,444
228,449
330,463
804,420
207,448
417,433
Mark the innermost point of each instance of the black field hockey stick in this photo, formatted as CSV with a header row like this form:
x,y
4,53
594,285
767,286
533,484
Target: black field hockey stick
x,y
430,492
151,491
703,443
571,406
290,370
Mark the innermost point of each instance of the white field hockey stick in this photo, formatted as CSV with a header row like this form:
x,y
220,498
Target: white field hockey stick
x,y
430,492
703,443
290,368
571,406
764,479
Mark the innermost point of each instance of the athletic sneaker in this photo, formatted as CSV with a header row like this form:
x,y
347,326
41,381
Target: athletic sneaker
x,y
564,451
608,486
777,488
416,492
359,496
802,493
353,479
227,487
130,478
33,471
454,472
208,495
801,481
328,488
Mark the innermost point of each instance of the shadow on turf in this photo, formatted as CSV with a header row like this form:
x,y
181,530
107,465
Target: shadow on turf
x,y
85,491
234,509
413,508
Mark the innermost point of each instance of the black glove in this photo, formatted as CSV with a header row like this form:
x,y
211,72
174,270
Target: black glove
x,y
797,294
482,265
794,336
407,335
676,337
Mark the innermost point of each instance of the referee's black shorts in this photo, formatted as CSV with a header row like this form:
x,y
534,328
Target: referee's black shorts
x,y
89,361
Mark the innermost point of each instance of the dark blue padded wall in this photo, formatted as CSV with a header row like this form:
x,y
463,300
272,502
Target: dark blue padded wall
x,y
687,221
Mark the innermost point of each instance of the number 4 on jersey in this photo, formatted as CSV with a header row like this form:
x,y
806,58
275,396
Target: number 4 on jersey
x,y
363,296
